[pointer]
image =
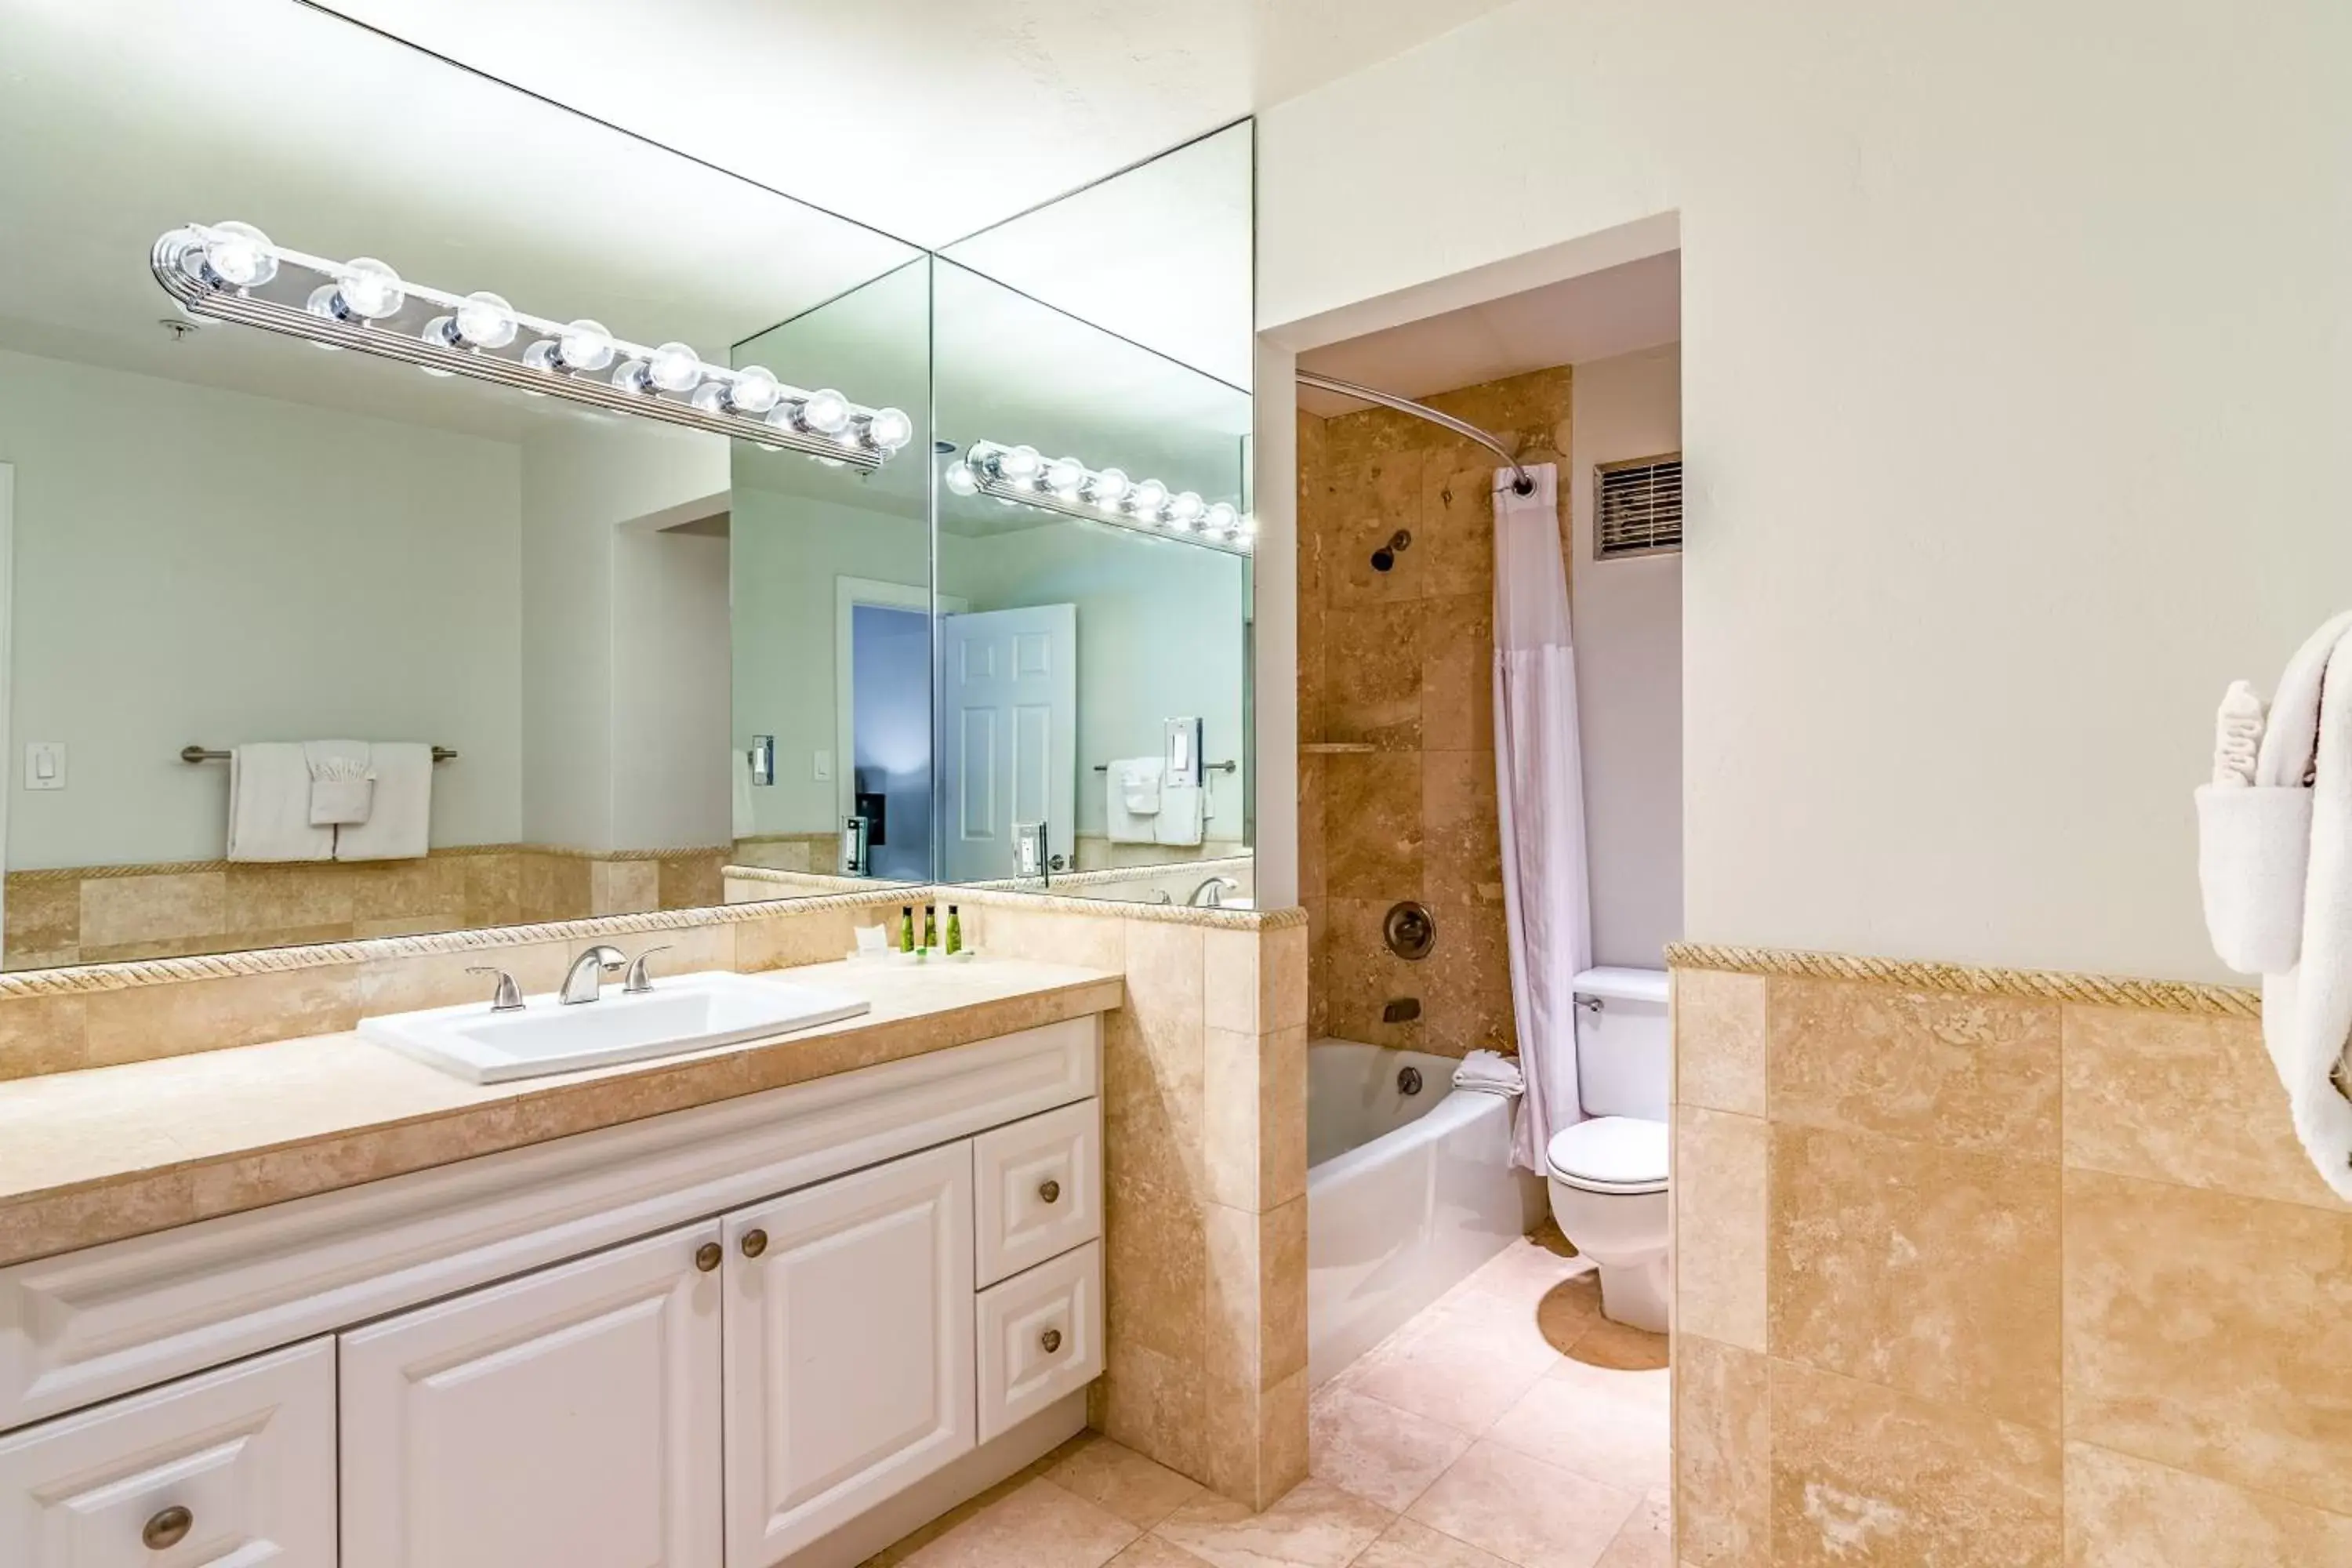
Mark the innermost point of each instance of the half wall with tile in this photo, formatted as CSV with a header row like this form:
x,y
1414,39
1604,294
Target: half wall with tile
x,y
1997,1270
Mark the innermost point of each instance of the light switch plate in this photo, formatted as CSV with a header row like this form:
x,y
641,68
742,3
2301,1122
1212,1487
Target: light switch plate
x,y
45,764
823,766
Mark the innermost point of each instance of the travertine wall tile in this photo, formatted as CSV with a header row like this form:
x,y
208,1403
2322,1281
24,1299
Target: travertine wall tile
x,y
1972,1072
2212,1333
207,1014
1930,1270
118,911
1718,1023
2177,1098
1723,1454
42,1035
444,979
1720,1163
2123,1512
1230,980
1863,1475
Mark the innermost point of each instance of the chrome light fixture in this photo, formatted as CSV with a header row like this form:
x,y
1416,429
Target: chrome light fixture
x,y
219,271
1022,476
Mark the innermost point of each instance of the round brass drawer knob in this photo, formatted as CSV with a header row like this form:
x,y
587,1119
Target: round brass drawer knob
x,y
706,1255
167,1528
1050,1190
1051,1340
755,1242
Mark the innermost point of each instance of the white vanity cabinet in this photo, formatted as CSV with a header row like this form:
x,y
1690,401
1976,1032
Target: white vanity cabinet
x,y
707,1340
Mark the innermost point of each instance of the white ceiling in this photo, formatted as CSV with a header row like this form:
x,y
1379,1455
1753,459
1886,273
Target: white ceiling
x,y
1612,311
928,118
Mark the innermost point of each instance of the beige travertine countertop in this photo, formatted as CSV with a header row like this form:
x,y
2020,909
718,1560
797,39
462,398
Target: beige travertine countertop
x,y
108,1153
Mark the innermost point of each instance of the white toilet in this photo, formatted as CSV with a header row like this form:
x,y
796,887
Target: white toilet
x,y
1608,1173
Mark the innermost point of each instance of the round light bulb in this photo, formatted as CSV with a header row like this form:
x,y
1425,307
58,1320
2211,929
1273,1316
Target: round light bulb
x,y
324,301
583,345
1185,510
1065,475
753,391
1108,489
237,255
369,290
710,397
826,412
1019,463
890,429
485,321
633,376
1150,496
1219,517
961,479
674,367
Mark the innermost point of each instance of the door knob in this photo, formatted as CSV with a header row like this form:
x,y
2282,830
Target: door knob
x,y
167,1528
707,1256
755,1242
1051,1340
1050,1190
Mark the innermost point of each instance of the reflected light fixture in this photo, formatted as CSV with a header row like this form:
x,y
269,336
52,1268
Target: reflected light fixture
x,y
216,270
1022,476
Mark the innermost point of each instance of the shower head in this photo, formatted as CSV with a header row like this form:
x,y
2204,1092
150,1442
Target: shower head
x,y
1385,556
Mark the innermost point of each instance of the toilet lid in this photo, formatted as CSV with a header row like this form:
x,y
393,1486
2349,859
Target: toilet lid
x,y
1612,1154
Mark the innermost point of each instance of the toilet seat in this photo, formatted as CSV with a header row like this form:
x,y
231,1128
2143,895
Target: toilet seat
x,y
1610,1154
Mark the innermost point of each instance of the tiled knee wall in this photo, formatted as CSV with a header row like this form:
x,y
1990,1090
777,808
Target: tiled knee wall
x,y
1985,1279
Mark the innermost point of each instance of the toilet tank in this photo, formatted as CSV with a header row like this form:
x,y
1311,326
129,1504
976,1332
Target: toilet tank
x,y
1623,1045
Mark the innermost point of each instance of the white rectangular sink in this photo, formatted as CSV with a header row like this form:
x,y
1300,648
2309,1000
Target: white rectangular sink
x,y
681,1012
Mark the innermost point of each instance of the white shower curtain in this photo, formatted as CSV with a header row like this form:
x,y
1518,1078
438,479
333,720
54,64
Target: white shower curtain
x,y
1539,789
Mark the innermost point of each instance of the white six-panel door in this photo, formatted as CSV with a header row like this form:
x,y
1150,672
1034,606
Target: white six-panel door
x,y
849,1358
235,1466
1010,679
569,1416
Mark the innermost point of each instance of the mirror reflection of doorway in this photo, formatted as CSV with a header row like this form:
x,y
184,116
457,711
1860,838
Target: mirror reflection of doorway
x,y
885,722
1008,753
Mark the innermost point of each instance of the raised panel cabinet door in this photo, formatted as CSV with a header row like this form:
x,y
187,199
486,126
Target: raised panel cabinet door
x,y
236,1466
849,1348
568,1417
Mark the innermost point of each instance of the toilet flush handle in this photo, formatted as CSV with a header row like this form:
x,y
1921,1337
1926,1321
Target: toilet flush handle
x,y
1589,1003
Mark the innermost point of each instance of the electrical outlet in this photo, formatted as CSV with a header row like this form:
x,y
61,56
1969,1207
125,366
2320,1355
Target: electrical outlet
x,y
45,764
824,770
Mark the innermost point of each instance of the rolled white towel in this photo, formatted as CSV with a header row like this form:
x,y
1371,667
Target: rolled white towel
x,y
1490,1072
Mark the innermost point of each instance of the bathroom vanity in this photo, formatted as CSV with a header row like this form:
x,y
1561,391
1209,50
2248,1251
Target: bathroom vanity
x,y
783,1326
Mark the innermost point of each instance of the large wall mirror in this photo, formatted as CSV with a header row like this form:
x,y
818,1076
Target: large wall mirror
x,y
602,581
1092,363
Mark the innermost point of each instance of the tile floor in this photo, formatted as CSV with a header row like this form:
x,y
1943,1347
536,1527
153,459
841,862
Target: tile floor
x,y
1510,1425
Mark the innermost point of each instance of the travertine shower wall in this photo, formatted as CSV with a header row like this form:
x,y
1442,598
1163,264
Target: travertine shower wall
x,y
1996,1270
1396,709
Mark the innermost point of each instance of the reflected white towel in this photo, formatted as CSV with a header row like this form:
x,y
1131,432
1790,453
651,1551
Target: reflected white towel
x,y
2259,846
343,783
400,822
1490,1072
1131,800
1178,821
269,805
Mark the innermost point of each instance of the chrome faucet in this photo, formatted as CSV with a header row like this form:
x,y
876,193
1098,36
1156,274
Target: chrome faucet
x,y
1211,894
586,980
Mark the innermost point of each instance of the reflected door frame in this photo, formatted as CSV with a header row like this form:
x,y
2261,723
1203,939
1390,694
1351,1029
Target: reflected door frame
x,y
848,593
7,641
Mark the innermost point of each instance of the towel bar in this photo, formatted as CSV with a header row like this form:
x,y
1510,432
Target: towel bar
x,y
198,754
1212,767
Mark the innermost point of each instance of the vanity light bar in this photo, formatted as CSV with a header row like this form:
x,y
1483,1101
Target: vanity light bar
x,y
213,270
1024,477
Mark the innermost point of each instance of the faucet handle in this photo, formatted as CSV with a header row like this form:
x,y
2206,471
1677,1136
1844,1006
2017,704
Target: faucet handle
x,y
638,980
508,998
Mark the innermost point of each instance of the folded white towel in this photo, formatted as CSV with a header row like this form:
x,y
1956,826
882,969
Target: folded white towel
x,y
1131,799
2237,736
1490,1072
1179,817
2259,846
269,805
400,821
343,783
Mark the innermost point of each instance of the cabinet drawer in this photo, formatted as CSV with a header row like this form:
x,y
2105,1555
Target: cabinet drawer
x,y
1039,1189
236,1466
1041,1337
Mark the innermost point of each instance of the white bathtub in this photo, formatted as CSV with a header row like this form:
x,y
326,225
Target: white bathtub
x,y
1406,1194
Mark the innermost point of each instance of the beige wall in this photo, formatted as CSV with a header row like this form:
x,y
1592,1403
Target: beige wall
x,y
1999,1278
2010,335
1399,664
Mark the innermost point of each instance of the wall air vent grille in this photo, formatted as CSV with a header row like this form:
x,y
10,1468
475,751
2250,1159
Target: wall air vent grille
x,y
1637,506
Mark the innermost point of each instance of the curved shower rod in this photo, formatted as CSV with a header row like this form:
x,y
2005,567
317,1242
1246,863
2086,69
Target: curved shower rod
x,y
1520,483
